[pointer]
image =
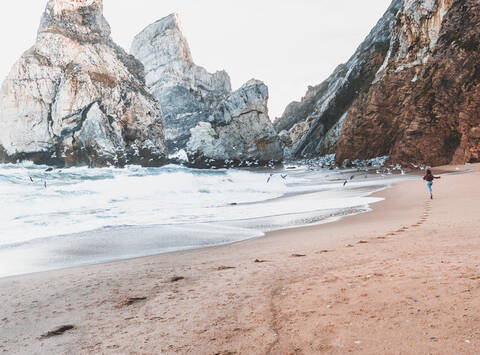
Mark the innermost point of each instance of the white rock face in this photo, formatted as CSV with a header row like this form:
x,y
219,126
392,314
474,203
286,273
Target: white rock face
x,y
73,5
77,98
238,131
199,108
416,33
168,61
187,92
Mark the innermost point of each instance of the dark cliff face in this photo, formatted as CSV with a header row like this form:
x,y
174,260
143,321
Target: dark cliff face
x,y
313,122
413,95
428,112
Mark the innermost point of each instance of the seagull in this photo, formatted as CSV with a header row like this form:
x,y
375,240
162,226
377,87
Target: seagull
x,y
48,170
269,178
45,184
31,179
352,177
345,183
284,177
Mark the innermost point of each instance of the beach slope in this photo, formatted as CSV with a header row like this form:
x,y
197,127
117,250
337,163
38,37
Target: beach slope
x,y
402,279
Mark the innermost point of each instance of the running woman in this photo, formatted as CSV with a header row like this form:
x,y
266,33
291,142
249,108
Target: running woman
x,y
429,177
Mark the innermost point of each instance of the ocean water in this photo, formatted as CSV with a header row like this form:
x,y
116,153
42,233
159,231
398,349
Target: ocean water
x,y
77,216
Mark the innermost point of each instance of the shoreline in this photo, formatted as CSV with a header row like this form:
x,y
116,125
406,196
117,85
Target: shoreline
x,y
118,244
307,282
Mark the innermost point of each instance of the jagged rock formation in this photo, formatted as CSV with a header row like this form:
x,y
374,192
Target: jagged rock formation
x,y
237,131
315,122
186,91
77,98
203,116
422,105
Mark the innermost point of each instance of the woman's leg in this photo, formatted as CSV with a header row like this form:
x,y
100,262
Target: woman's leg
x,y
429,187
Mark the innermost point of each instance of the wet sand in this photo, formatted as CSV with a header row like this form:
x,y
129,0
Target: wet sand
x,y
403,279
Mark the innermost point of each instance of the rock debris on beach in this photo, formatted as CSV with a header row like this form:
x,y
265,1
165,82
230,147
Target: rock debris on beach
x,y
58,331
259,261
176,278
133,300
223,267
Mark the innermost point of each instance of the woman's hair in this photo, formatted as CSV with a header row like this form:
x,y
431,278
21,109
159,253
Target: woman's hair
x,y
429,171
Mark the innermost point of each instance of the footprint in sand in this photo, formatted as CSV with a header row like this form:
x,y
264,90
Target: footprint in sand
x,y
422,220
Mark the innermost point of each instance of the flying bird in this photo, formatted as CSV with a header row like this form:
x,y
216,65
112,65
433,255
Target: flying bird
x,y
352,177
284,177
31,179
345,183
269,178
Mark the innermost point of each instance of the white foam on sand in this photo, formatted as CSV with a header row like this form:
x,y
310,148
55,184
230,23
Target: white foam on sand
x,y
86,216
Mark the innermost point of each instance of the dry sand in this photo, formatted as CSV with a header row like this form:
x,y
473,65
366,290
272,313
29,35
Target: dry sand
x,y
403,279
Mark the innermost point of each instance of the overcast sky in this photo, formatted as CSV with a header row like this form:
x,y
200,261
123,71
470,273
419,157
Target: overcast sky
x,y
289,44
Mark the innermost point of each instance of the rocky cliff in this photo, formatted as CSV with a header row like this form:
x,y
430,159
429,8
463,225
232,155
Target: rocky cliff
x,y
77,98
425,104
421,105
314,123
203,117
237,132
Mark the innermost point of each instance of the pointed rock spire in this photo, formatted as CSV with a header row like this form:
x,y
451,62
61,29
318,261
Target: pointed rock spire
x,y
77,98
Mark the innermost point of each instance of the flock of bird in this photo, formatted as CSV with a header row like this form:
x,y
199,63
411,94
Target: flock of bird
x,y
383,171
283,176
310,166
44,181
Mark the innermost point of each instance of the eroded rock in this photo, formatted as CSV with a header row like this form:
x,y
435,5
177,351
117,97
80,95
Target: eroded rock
x,y
77,98
314,122
410,92
203,117
238,131
425,104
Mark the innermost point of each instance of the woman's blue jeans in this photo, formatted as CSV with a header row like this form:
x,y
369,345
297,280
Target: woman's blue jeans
x,y
429,186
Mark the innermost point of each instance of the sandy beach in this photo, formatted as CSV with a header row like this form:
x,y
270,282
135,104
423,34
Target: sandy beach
x,y
402,279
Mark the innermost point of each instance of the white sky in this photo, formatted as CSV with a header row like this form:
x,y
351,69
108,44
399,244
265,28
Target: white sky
x,y
289,44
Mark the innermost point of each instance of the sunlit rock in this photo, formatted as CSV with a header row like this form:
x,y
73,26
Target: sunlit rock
x,y
77,98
